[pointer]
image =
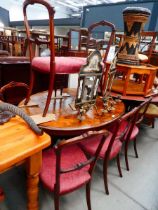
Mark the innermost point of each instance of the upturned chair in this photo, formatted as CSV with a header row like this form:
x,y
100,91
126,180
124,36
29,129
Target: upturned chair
x,y
102,44
66,168
129,127
48,65
110,150
148,43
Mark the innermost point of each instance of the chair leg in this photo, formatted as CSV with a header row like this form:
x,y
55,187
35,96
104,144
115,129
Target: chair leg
x,y
88,195
50,91
153,122
135,147
1,194
32,79
56,201
105,174
126,155
118,165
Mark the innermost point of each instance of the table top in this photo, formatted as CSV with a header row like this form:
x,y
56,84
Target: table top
x,y
137,97
141,66
66,120
18,142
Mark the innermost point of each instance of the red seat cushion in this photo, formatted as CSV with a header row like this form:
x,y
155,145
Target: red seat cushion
x,y
63,65
69,181
123,126
90,147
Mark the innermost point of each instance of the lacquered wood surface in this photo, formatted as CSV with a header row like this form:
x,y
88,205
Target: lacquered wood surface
x,y
17,143
137,98
140,88
66,120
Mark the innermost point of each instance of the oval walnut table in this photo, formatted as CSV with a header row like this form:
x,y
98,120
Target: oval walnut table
x,y
66,122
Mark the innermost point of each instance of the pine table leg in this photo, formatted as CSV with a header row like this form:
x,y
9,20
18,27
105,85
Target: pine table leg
x,y
33,168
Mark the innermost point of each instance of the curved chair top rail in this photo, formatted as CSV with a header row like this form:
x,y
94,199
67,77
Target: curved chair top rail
x,y
112,36
51,13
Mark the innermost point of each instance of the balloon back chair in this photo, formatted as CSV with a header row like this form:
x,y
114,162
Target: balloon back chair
x,y
50,65
148,43
110,149
14,92
99,40
65,167
129,127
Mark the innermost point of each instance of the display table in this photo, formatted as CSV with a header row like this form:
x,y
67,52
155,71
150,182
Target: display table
x,y
126,86
66,120
18,143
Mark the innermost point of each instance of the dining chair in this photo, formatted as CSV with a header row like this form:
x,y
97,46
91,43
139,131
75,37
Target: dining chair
x,y
50,65
147,43
14,92
110,150
65,167
101,42
129,127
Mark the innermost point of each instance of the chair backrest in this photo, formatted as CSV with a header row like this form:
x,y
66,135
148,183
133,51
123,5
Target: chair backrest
x,y
13,92
91,160
147,43
36,41
134,117
104,43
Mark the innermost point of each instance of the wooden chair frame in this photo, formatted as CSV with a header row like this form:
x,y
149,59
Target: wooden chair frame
x,y
91,160
50,43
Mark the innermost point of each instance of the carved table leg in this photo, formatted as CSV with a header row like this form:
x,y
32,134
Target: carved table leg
x,y
33,168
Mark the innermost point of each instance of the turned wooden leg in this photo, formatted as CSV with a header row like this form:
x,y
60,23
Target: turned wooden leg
x,y
33,168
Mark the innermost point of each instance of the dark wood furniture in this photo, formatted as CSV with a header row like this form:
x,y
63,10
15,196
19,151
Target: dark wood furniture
x,y
66,168
66,120
110,150
13,92
17,69
148,43
101,44
23,145
14,45
48,65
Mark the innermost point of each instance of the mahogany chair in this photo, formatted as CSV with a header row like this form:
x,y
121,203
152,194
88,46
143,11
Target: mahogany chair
x,y
148,43
14,92
110,150
66,167
48,65
103,44
129,127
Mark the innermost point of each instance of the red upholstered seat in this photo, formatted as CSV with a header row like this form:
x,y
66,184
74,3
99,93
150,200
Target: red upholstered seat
x,y
69,181
63,65
123,127
90,147
66,168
